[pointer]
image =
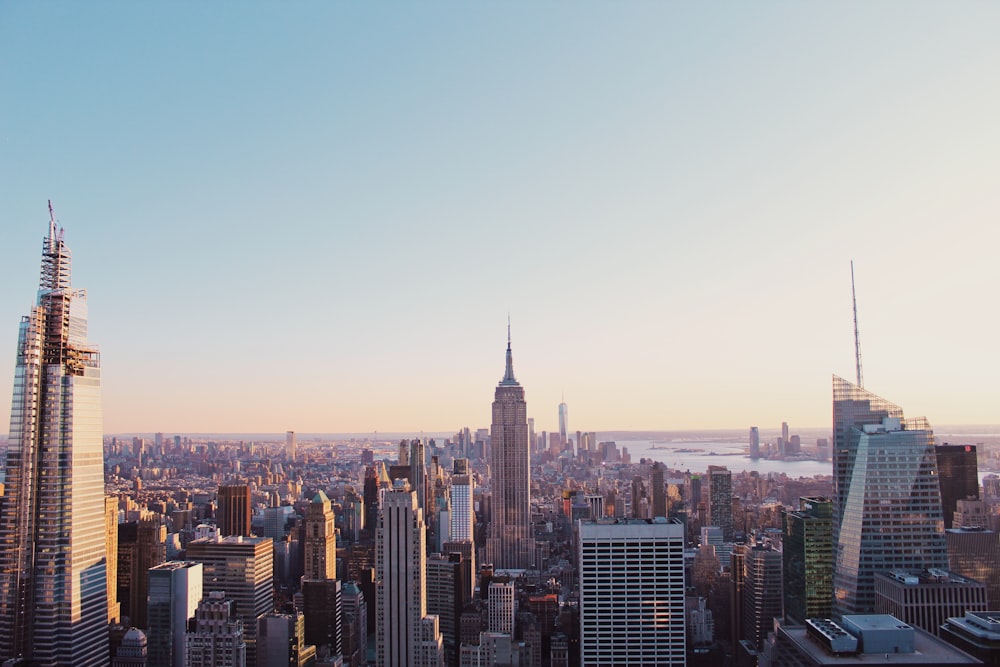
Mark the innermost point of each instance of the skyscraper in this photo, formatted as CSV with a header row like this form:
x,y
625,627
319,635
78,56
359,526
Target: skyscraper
x,y
958,475
761,592
235,510
807,553
243,568
720,500
290,446
405,636
510,545
887,501
53,582
320,540
754,442
563,422
215,638
321,592
175,589
631,577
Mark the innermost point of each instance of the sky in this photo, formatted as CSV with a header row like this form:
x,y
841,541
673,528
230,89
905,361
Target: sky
x,y
317,216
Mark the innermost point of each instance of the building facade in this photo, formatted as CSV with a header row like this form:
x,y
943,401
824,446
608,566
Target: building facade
x,y
215,638
958,475
925,599
405,635
235,510
631,582
243,569
53,581
887,501
807,554
720,500
510,545
175,589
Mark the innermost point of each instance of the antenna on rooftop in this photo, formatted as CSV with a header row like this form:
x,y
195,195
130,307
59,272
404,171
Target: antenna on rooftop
x,y
857,336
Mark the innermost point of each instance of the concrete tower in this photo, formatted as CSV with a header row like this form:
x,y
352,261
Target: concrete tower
x,y
53,583
510,545
320,540
631,592
405,636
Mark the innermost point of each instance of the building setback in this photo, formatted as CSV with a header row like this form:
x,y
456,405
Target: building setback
x,y
53,581
242,568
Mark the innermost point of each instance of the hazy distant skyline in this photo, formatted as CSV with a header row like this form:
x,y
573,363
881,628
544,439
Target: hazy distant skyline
x,y
317,216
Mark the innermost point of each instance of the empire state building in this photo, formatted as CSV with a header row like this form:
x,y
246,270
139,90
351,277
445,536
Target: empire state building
x,y
510,545
53,586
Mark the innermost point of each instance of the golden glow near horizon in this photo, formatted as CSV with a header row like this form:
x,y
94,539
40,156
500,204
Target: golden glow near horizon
x,y
318,217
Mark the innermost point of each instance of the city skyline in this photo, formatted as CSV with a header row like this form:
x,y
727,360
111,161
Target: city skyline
x,y
289,217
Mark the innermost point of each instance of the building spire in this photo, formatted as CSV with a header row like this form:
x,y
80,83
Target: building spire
x,y
857,337
508,376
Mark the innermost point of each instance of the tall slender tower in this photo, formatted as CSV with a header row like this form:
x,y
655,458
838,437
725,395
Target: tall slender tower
x,y
53,582
510,545
405,635
563,421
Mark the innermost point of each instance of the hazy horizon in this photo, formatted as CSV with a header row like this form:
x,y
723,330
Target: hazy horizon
x,y
319,215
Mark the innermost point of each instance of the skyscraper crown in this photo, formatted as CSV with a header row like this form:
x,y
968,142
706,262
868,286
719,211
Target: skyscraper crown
x,y
508,377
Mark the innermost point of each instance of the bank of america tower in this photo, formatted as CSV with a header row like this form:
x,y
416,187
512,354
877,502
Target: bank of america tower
x,y
53,592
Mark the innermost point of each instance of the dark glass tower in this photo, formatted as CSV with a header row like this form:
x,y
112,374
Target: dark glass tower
x,y
807,560
510,545
53,581
887,502
720,500
958,474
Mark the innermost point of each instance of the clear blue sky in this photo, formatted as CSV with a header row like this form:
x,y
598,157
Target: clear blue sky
x,y
317,215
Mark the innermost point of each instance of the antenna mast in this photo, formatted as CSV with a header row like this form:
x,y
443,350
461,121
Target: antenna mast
x,y
857,336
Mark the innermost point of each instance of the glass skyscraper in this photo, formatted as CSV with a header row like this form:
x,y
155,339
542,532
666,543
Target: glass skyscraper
x,y
887,501
53,582
807,555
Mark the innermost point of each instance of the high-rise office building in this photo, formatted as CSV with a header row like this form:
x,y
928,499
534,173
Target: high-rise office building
x,y
974,552
447,594
887,501
631,579
215,639
958,475
500,607
53,582
761,592
720,500
754,442
927,598
405,635
510,545
418,475
320,540
111,557
807,554
141,545
322,605
281,641
355,626
243,568
463,516
656,480
563,422
235,510
291,446
175,589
